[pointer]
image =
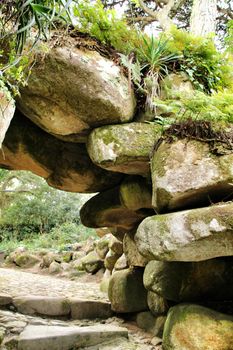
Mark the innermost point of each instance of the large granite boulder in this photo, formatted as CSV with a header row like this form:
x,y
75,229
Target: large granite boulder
x,y
71,91
126,291
7,110
191,235
209,280
123,148
190,327
110,208
186,174
64,165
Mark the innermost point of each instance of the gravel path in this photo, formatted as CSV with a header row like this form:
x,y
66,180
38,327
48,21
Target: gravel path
x,y
21,283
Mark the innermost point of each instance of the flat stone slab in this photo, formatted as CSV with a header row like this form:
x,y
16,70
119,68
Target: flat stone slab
x,y
49,306
66,338
186,174
90,309
191,235
123,148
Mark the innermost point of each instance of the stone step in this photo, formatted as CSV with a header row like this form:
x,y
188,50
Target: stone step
x,y
60,306
66,338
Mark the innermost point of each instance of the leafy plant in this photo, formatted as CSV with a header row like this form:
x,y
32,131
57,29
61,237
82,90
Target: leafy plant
x,y
208,69
217,108
105,25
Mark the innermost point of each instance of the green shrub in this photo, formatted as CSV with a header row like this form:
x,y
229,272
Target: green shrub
x,y
217,107
105,25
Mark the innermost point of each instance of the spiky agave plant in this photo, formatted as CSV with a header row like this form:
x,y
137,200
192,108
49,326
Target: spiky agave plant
x,y
156,59
20,16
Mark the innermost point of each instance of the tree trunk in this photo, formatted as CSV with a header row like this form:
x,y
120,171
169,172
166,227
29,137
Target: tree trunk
x,y
203,17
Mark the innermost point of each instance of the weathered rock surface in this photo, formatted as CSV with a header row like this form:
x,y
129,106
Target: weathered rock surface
x,y
92,262
190,327
7,110
65,338
101,246
116,246
196,281
126,291
123,148
26,259
121,263
88,91
64,165
107,209
185,173
110,260
134,258
191,235
156,303
136,193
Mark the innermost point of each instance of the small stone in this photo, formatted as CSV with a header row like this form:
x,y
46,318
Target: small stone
x,y
55,268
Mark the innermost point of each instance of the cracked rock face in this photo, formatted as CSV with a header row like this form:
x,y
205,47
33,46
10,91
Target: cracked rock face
x,y
185,174
70,91
191,235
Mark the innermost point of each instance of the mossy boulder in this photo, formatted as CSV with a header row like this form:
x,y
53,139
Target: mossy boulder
x,y
157,304
92,262
115,245
64,165
70,91
126,291
186,174
107,209
101,246
191,235
121,263
123,148
134,258
191,327
26,260
209,280
111,259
